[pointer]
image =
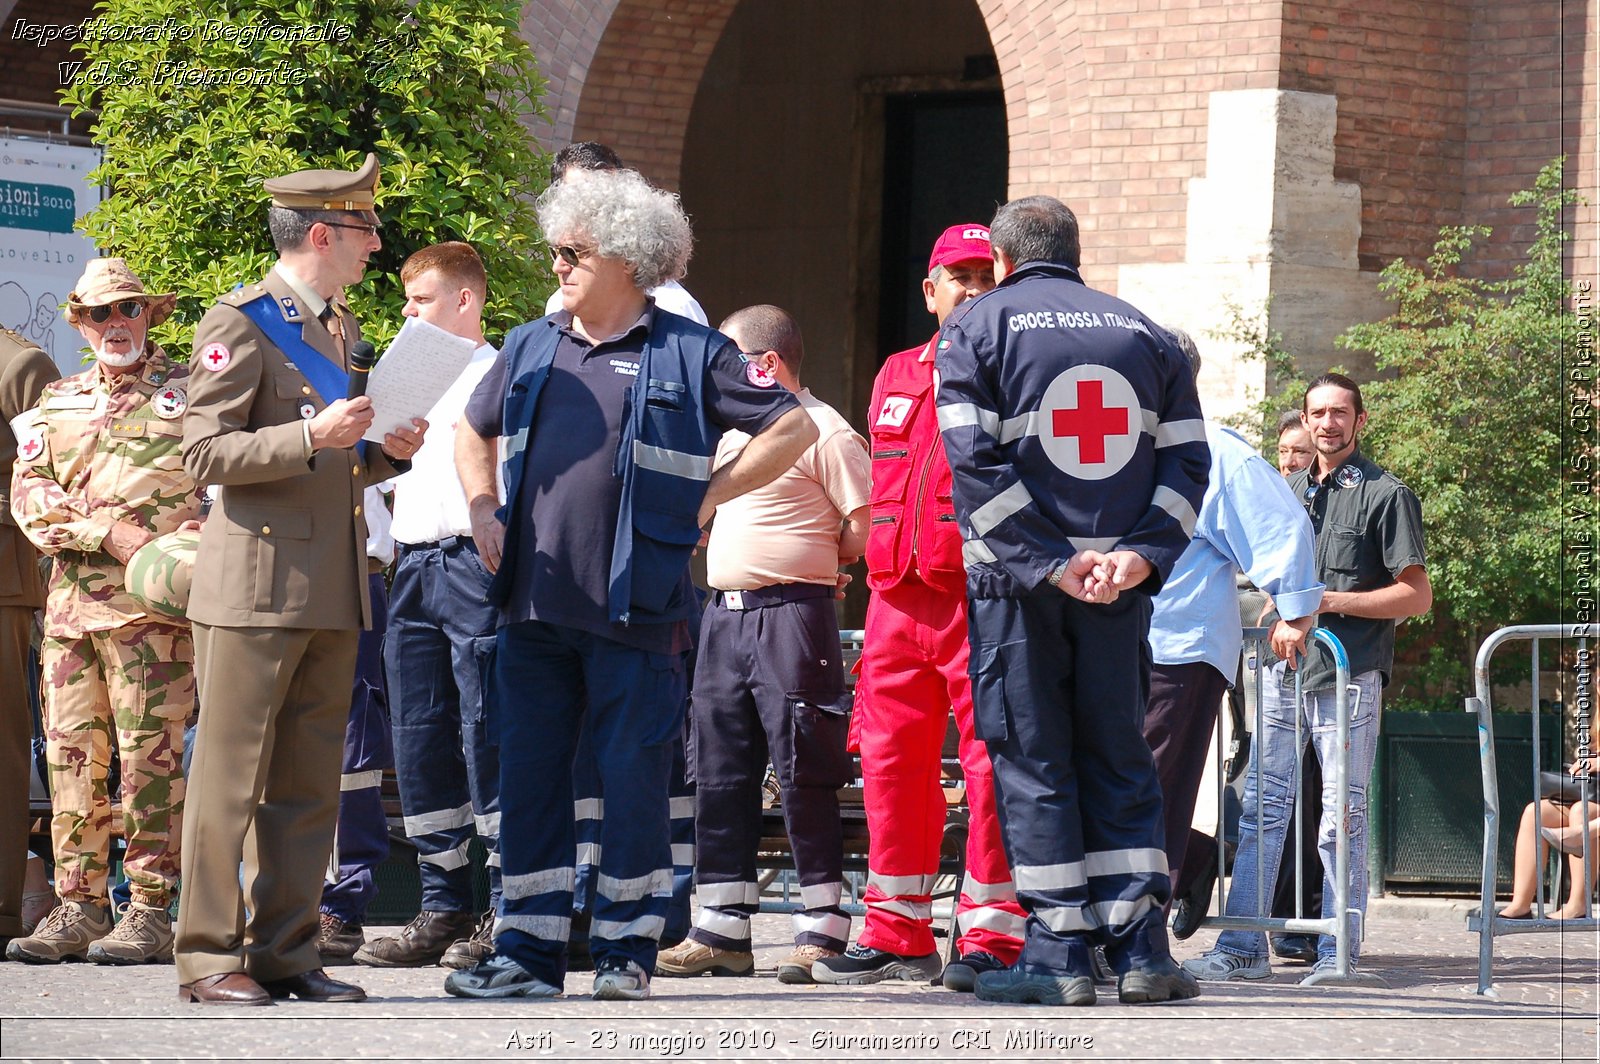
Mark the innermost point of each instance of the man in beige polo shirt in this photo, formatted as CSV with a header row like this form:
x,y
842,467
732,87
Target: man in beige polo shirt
x,y
769,680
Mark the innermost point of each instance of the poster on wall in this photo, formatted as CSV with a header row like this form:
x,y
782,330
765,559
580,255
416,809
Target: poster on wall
x,y
44,188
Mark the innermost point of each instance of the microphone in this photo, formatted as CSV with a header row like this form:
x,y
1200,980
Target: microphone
x,y
362,357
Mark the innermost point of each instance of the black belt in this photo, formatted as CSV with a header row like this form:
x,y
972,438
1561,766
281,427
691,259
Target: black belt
x,y
446,543
776,595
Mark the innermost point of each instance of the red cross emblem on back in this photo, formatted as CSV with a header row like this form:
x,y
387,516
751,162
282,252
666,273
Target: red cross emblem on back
x,y
1091,422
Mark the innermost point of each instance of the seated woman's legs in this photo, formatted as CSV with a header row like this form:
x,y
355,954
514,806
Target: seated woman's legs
x,y
1530,854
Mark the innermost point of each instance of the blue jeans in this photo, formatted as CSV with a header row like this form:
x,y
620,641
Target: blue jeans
x,y
1261,842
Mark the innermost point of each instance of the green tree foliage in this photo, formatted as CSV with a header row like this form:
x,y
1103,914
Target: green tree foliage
x,y
1468,412
198,103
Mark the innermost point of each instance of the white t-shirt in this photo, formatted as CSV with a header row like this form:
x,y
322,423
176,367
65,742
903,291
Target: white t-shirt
x,y
429,502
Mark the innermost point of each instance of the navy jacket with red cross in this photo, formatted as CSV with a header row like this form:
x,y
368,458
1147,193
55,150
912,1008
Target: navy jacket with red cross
x,y
1071,423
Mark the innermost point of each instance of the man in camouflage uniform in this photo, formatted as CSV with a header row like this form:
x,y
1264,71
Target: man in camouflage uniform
x,y
99,473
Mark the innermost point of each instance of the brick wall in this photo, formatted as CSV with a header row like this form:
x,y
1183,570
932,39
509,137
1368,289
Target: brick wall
x,y
1106,103
1399,72
641,85
29,72
565,35
1532,80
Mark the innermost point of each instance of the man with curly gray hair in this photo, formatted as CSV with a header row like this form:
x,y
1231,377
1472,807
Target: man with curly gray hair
x,y
573,164
611,412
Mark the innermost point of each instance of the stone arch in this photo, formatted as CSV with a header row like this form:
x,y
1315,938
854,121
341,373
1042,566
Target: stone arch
x,y
625,72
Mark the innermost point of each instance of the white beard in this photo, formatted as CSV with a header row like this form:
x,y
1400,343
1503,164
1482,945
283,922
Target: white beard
x,y
116,360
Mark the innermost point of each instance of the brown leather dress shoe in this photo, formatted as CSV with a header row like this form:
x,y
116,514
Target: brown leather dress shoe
x,y
314,985
421,942
229,988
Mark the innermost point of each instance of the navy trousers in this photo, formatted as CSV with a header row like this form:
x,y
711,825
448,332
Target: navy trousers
x,y
439,653
588,808
361,840
547,680
1059,690
769,683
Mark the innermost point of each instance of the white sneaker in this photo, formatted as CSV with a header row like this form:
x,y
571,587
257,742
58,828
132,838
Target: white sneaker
x,y
617,980
1219,967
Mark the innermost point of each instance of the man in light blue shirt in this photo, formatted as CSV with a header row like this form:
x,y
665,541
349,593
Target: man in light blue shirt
x,y
1250,521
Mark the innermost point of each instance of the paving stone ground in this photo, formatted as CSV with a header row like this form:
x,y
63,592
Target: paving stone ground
x,y
1548,987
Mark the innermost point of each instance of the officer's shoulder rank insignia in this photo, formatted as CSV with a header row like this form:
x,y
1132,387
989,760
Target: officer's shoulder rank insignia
x,y
170,403
1347,476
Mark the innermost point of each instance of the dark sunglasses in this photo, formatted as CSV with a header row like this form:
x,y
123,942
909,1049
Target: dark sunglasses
x,y
570,254
128,308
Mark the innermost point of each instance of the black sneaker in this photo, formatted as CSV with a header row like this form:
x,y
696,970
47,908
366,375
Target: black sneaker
x,y
961,974
498,977
863,964
1012,986
1156,982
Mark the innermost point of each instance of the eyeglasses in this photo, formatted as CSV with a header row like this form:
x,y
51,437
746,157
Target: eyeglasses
x,y
571,255
128,308
368,228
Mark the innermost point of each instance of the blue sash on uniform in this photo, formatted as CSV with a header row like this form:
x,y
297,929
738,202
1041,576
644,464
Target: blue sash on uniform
x,y
331,382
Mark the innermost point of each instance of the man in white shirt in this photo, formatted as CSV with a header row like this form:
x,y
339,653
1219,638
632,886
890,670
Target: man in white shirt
x,y
440,637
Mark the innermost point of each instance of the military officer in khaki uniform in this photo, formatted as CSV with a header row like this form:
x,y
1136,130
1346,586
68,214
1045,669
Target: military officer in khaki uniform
x,y
279,595
99,473
24,371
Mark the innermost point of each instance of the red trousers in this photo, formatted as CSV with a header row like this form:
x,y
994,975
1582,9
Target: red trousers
x,y
913,674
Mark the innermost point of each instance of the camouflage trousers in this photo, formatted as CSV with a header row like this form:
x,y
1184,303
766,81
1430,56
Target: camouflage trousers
x,y
133,684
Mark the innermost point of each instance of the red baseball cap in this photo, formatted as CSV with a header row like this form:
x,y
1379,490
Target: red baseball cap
x,y
961,243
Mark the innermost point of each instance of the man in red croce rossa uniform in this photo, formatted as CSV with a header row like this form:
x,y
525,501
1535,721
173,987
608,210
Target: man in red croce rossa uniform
x,y
914,664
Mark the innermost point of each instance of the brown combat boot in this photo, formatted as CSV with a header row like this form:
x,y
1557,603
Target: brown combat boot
x,y
337,940
420,943
469,951
66,934
143,934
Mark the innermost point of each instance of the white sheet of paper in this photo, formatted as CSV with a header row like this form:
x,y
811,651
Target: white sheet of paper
x,y
413,373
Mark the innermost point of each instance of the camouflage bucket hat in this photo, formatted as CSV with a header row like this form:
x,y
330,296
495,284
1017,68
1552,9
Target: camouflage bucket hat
x,y
107,281
160,573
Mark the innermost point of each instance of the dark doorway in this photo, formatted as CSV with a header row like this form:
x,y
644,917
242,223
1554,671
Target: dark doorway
x,y
944,163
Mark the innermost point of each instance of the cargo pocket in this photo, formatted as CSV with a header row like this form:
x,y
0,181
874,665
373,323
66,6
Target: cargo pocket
x,y
166,686
668,685
483,718
819,727
999,680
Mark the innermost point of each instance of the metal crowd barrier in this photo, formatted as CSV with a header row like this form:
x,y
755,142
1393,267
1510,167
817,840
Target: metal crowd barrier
x,y
1346,921
1487,922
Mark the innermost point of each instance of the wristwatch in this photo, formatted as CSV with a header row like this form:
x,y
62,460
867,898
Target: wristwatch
x,y
1054,579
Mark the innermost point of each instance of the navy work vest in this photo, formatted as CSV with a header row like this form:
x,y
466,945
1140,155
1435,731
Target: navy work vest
x,y
663,459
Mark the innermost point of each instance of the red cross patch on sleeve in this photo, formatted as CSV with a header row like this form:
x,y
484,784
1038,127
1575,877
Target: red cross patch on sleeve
x,y
215,356
30,447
